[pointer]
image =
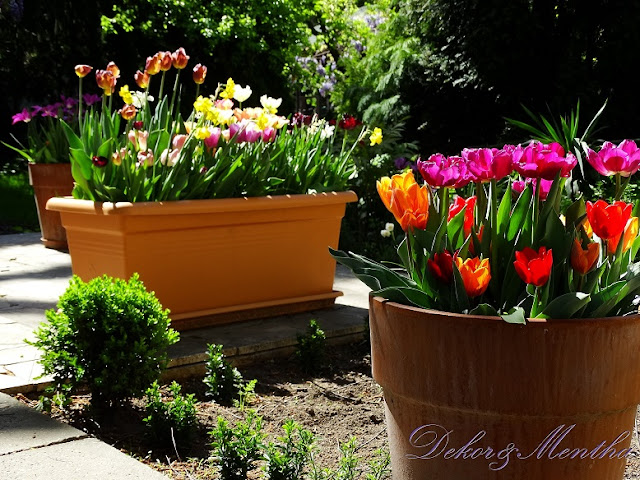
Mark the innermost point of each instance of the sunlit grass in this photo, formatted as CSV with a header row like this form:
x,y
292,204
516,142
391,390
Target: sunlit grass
x,y
17,206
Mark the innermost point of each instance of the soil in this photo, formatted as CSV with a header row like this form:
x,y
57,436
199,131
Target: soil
x,y
340,402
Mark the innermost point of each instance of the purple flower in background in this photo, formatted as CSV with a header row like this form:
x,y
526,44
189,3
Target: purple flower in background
x,y
24,116
357,44
68,103
326,87
90,98
320,70
374,21
402,163
51,110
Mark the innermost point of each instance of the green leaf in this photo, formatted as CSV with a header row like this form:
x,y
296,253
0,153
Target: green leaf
x,y
565,306
504,211
484,309
522,209
405,295
462,299
515,315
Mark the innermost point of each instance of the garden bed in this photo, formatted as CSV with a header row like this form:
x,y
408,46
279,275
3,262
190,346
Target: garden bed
x,y
340,402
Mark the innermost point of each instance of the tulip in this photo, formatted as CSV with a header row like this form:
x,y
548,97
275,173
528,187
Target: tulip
x,y
628,236
534,267
349,122
518,186
486,164
139,139
623,160
113,68
538,160
457,206
165,61
106,81
608,221
178,141
270,104
475,274
582,261
441,171
441,267
268,134
403,197
212,140
199,74
128,112
99,162
145,158
179,58
152,66
142,79
242,94
83,70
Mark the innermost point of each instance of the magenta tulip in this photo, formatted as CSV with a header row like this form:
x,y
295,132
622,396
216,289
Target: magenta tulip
x,y
538,160
623,159
486,164
441,171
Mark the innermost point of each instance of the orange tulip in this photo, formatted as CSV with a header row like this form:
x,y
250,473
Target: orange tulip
x,y
142,79
582,260
405,199
113,68
165,61
152,66
128,112
179,58
629,235
83,70
586,226
475,274
106,81
199,73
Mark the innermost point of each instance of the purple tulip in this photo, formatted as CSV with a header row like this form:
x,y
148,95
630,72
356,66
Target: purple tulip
x,y
623,159
441,171
538,160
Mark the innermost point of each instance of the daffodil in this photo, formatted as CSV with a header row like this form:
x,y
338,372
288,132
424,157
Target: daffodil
x,y
126,95
202,104
229,89
225,117
376,136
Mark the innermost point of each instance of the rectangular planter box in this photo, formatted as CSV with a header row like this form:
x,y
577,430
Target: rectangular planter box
x,y
213,261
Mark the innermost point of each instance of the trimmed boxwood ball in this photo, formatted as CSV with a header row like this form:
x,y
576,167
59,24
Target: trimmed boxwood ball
x,y
108,334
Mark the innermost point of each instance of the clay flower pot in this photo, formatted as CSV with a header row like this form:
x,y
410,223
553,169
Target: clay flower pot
x,y
50,180
213,261
472,397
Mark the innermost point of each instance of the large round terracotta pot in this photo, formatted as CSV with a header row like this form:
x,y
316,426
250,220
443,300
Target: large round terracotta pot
x,y
473,397
213,261
50,180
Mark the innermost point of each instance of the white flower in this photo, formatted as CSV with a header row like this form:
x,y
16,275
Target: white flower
x,y
385,233
389,227
241,94
139,99
327,131
270,104
312,191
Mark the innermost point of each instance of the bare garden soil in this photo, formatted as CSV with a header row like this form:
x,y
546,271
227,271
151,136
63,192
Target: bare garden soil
x,y
339,402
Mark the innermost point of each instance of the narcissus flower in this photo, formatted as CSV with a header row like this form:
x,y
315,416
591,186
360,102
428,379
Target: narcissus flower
x,y
441,171
376,137
199,73
534,267
582,261
126,95
403,197
179,58
608,221
229,89
475,274
128,112
83,70
623,159
628,236
441,266
457,206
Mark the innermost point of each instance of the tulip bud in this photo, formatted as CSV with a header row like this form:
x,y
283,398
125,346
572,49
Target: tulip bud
x,y
99,161
199,73
179,58
142,79
83,70
138,125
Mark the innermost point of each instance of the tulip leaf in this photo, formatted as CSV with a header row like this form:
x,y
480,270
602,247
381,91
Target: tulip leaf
x,y
105,149
455,230
575,212
605,299
504,212
403,253
461,297
484,309
515,315
521,210
405,295
565,306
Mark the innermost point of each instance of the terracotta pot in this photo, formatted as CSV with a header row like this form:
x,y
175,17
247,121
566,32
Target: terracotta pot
x,y
213,261
50,180
553,389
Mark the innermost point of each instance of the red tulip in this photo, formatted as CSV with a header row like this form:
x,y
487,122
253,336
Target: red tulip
x,y
179,58
608,221
534,267
83,70
153,65
457,206
441,267
106,81
199,73
165,61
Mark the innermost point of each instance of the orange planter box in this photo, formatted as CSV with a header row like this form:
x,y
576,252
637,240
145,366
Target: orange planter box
x,y
213,261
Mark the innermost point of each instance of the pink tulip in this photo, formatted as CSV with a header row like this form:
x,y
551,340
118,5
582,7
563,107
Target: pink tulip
x,y
178,141
538,160
623,160
212,140
441,171
268,134
486,164
518,186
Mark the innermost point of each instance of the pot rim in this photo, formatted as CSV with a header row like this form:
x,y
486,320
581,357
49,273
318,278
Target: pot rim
x,y
487,318
74,205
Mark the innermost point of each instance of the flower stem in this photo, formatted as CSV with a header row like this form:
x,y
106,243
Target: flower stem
x,y
161,85
536,301
80,104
